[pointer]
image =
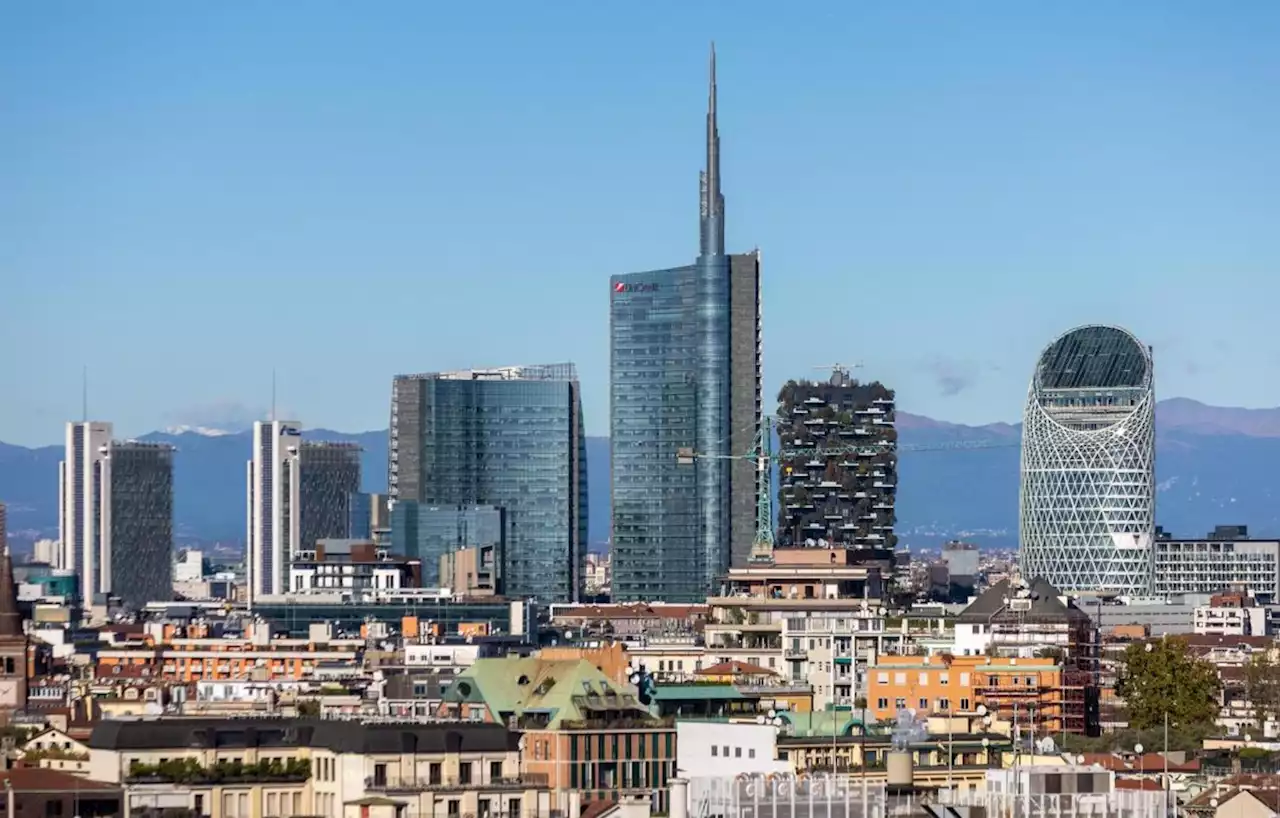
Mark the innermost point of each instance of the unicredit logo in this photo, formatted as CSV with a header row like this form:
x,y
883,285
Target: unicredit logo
x,y
622,287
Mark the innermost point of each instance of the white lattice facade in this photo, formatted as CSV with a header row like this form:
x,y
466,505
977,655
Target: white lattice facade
x,y
1087,516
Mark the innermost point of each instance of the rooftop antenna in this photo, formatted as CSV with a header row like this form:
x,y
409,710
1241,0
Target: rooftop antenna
x,y
840,372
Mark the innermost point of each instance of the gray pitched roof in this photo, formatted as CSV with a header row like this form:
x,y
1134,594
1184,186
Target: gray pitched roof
x,y
1046,605
338,736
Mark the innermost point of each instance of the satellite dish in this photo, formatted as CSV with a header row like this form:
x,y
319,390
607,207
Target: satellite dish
x,y
777,721
773,714
760,719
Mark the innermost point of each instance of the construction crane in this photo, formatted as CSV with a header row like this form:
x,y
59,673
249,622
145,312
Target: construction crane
x,y
762,453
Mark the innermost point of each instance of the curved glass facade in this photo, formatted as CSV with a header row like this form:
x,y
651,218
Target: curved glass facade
x,y
1087,507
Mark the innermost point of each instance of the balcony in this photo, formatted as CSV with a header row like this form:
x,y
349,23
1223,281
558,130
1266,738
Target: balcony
x,y
190,771
795,654
408,784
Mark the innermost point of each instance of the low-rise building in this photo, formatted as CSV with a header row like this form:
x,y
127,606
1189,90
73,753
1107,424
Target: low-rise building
x,y
582,730
289,767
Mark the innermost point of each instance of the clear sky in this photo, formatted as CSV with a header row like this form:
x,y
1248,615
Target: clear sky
x,y
193,193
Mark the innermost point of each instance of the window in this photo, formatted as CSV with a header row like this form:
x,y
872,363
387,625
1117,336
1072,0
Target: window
x,y
484,808
272,804
924,677
900,679
464,773
924,705
964,705
513,808
737,752
715,751
495,770
751,752
379,775
944,705
882,678
434,771
993,680
900,703
964,679
726,751
882,704
944,679
455,808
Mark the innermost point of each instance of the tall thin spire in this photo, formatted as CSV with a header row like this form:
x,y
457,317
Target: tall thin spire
x,y
712,199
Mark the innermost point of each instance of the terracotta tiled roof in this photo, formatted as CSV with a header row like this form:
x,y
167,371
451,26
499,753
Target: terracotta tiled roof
x,y
29,779
1138,784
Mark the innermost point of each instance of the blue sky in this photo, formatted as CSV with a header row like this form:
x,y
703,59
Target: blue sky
x,y
191,194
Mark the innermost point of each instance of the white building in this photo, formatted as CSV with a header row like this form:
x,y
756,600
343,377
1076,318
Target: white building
x,y
116,515
725,749
1222,620
189,567
84,501
48,552
274,524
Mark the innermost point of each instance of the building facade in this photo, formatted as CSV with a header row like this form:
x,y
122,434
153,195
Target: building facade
x,y
299,492
1087,515
139,561
839,463
1225,558
328,475
510,438
273,505
116,515
428,533
685,368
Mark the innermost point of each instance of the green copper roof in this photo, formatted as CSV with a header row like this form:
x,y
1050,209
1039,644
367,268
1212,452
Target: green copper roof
x,y
563,688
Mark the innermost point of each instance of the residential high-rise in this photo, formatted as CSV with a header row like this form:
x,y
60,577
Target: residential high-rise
x,y
298,493
839,463
685,353
327,477
116,515
1088,464
511,438
274,510
140,559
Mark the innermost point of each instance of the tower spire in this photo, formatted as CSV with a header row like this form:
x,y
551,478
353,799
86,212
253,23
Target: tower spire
x,y
712,199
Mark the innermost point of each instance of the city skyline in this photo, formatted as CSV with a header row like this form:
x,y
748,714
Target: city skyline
x,y
969,184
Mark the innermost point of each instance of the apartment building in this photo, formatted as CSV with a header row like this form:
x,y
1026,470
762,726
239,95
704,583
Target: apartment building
x,y
812,615
582,730
332,769
1029,692
167,653
1231,615
839,463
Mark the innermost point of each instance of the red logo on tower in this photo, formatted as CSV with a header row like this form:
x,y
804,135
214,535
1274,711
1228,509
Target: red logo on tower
x,y
619,287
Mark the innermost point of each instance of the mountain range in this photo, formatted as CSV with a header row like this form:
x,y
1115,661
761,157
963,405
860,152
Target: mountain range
x,y
1214,465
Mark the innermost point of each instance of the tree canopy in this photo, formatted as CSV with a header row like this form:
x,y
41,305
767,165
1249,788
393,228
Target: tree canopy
x,y
1163,676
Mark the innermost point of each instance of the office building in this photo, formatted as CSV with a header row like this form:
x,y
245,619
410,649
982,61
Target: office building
x,y
116,515
685,352
299,492
368,513
839,464
1088,464
328,475
429,533
1225,559
510,438
273,507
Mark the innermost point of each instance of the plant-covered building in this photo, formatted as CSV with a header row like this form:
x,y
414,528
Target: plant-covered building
x,y
839,464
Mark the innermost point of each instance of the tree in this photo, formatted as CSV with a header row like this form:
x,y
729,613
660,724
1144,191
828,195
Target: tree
x,y
1162,678
1262,685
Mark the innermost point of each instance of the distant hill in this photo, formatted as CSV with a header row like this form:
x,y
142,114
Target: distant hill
x,y
1214,465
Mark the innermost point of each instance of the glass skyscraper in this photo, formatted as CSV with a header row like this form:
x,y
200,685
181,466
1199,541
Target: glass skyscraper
x,y
685,375
511,438
427,533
